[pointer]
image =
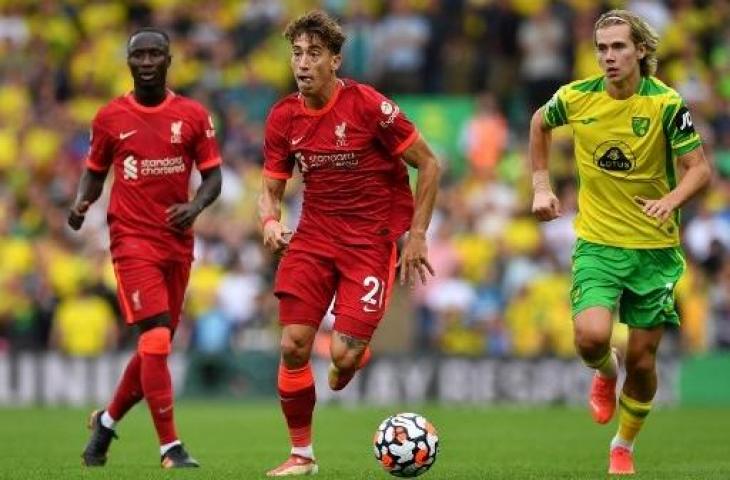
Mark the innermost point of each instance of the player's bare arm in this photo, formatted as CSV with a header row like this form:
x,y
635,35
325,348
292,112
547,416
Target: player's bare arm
x,y
90,188
545,205
697,175
276,236
181,216
414,257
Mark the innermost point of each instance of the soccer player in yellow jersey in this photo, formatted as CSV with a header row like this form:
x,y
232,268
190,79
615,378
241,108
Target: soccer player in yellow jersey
x,y
630,133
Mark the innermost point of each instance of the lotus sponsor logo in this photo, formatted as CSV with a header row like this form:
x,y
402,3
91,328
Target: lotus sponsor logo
x,y
615,157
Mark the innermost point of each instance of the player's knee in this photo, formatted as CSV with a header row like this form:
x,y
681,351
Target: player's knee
x,y
641,366
156,341
590,344
294,351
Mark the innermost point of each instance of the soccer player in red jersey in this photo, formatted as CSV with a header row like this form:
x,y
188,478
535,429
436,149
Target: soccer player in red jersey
x,y
349,142
150,137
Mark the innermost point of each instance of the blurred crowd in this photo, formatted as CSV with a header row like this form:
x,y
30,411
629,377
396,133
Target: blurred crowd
x,y
502,279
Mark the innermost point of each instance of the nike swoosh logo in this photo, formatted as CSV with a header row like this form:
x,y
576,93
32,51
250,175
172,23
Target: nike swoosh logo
x,y
296,140
124,135
586,121
165,410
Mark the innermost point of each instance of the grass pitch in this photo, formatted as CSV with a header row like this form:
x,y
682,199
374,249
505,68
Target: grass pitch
x,y
242,441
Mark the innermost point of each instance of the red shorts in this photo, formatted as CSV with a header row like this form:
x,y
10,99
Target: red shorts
x,y
360,278
147,288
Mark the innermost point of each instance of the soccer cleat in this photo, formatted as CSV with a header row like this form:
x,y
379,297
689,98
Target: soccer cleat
x,y
621,461
602,398
177,457
295,465
338,380
94,454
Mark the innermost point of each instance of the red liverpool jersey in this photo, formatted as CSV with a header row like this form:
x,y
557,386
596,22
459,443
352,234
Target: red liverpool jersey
x,y
152,151
356,187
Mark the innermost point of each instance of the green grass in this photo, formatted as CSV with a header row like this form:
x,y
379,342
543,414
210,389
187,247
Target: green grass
x,y
241,441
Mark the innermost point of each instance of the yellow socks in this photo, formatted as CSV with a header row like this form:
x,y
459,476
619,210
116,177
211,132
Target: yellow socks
x,y
607,366
631,415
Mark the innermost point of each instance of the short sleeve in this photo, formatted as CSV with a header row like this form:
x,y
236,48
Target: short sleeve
x,y
207,154
392,128
555,111
100,154
278,162
679,128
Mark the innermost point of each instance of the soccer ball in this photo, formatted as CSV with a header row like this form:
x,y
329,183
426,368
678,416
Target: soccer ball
x,y
406,444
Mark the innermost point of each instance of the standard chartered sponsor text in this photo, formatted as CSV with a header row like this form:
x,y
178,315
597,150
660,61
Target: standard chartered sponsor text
x,y
162,166
345,159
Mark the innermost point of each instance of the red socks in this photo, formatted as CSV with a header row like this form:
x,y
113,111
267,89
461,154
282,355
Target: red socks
x,y
129,390
296,391
157,388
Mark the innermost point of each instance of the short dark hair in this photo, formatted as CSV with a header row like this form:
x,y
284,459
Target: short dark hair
x,y
156,30
317,24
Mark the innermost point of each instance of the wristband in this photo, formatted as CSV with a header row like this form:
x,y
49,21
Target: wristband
x,y
266,220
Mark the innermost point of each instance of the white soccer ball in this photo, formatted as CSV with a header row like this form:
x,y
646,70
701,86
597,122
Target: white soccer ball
x,y
406,444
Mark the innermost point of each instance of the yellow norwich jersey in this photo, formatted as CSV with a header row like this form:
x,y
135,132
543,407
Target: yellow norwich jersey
x,y
623,149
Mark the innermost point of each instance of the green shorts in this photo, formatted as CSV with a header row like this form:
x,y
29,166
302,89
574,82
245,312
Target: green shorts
x,y
640,281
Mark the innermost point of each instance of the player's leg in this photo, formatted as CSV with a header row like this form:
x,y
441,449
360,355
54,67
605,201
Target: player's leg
x,y
102,423
127,394
296,383
598,276
154,347
367,276
646,308
636,397
349,354
172,451
131,275
592,332
305,283
144,290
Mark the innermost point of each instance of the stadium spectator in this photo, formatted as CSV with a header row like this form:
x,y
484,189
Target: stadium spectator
x,y
84,325
485,136
51,69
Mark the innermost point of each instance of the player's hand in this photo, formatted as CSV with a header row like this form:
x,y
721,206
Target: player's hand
x,y
181,216
276,237
77,214
545,205
414,259
660,209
